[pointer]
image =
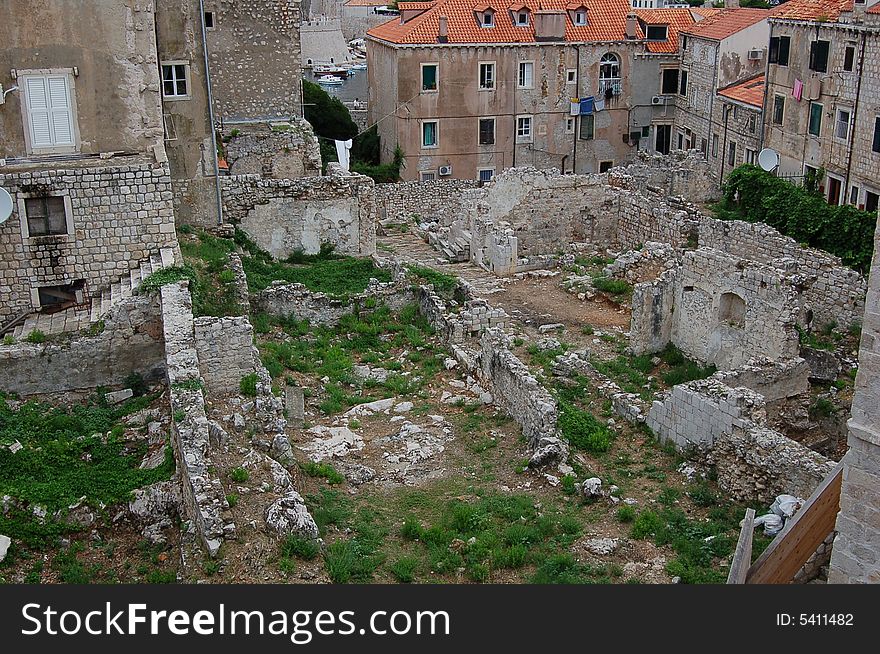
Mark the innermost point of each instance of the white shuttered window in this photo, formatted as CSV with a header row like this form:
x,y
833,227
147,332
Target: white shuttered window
x,y
49,112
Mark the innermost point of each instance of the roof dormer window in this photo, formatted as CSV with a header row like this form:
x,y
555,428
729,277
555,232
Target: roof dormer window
x,y
580,17
522,18
487,19
656,32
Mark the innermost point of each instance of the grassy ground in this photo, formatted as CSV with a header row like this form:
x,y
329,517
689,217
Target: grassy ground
x,y
69,454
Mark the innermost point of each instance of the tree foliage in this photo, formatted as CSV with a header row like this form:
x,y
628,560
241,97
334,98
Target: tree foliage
x,y
327,115
802,213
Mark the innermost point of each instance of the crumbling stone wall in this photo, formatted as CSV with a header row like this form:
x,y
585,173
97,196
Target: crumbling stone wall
x,y
121,210
226,352
280,151
680,173
725,428
131,341
297,301
723,310
437,200
287,215
202,495
515,389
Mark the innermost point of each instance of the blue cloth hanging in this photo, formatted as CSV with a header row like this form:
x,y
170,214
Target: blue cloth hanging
x,y
586,106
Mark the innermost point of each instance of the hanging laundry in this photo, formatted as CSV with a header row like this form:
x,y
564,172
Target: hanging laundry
x,y
587,106
798,90
599,104
342,151
574,107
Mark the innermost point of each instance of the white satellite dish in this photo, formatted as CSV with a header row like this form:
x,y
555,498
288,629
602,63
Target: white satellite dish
x,y
768,159
5,205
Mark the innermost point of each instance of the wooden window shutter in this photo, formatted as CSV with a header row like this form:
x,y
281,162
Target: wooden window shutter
x,y
49,112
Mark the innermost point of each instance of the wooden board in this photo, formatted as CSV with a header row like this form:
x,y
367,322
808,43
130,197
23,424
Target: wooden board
x,y
742,557
801,535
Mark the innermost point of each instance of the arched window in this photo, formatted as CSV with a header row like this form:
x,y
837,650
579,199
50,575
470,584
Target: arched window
x,y
309,62
732,309
609,66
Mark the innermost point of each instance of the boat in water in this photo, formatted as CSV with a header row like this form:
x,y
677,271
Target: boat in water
x,y
324,70
329,80
360,66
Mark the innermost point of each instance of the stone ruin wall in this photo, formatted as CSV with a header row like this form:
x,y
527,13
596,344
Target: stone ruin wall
x,y
694,307
438,200
725,428
226,352
131,341
283,216
285,150
121,211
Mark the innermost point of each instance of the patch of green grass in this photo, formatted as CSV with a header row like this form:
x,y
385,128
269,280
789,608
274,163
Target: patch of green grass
x,y
701,494
669,496
626,513
36,337
583,430
169,275
564,569
404,569
232,499
324,470
612,286
248,385
239,475
68,453
443,283
299,547
822,408
329,507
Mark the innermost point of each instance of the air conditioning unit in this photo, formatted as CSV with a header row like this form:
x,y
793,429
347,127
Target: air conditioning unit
x,y
658,99
756,54
445,171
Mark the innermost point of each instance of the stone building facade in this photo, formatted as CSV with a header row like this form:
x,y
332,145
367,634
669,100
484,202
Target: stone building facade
x,y
822,96
89,202
469,89
719,96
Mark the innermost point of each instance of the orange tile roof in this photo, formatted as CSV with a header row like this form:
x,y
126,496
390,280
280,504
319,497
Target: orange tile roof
x,y
828,10
727,22
750,92
874,10
676,19
606,21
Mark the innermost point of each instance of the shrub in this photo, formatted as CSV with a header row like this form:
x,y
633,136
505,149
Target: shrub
x,y
626,513
36,336
248,385
404,569
302,548
324,470
411,529
135,381
239,475
612,286
583,430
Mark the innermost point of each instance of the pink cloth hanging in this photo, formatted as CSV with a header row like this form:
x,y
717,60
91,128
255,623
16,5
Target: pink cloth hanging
x,y
798,90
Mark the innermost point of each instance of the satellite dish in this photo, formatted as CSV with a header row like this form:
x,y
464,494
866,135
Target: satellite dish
x,y
5,206
768,159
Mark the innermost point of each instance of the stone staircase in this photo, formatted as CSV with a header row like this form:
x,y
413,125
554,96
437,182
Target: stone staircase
x,y
81,317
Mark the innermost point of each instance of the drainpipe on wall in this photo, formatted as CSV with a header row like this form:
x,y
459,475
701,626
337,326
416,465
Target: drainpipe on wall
x,y
211,112
577,86
726,109
852,131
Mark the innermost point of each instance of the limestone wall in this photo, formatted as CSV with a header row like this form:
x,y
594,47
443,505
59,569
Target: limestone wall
x,y
281,151
131,341
438,200
287,215
725,427
718,309
119,212
515,389
226,352
202,495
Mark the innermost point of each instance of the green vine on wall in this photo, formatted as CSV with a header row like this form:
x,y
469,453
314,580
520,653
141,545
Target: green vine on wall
x,y
753,195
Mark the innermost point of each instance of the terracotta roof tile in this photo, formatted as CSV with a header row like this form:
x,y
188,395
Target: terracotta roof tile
x,y
606,21
727,22
828,10
750,92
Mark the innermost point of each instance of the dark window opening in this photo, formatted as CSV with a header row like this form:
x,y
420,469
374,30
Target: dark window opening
x,y
732,309
819,56
605,166
669,83
779,46
587,131
683,90
45,216
487,131
56,298
209,20
656,32
875,146
871,201
849,56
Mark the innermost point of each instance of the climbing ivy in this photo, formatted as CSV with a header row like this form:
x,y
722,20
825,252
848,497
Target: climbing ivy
x,y
802,213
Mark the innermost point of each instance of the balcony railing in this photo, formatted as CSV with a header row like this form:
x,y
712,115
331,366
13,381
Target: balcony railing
x,y
610,87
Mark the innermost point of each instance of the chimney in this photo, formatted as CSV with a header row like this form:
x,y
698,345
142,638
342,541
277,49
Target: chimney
x,y
632,29
443,30
549,25
731,4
